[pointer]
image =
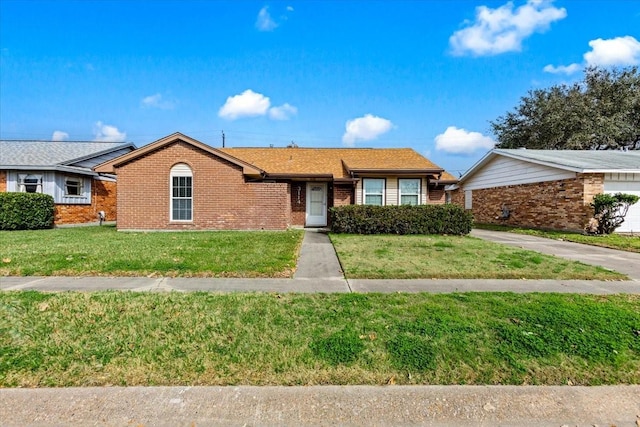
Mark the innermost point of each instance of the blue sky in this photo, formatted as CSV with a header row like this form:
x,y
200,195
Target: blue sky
x,y
429,75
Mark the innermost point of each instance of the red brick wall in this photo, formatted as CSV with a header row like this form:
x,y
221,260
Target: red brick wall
x,y
103,198
3,181
221,200
559,205
343,195
436,195
457,197
298,203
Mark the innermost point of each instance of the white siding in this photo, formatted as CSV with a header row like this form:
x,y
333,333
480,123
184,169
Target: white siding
x,y
468,199
53,184
502,171
392,191
625,183
59,191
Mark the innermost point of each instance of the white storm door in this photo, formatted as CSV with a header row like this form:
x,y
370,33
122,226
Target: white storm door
x,y
316,204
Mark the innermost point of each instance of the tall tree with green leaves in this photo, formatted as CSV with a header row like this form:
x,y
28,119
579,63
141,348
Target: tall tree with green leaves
x,y
601,112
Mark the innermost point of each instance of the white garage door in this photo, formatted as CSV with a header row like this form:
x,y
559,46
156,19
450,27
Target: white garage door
x,y
632,220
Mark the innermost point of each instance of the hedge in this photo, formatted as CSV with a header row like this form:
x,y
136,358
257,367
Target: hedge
x,y
26,211
405,219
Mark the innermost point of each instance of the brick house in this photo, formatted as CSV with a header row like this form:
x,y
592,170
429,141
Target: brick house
x,y
179,183
64,170
547,189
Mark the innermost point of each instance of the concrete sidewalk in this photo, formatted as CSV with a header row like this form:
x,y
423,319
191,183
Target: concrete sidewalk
x,y
181,284
323,406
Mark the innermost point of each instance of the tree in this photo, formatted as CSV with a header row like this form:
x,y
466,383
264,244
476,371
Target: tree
x,y
609,211
601,112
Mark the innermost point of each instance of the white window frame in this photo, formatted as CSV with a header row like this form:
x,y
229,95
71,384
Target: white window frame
x,y
22,182
178,171
80,185
417,194
365,193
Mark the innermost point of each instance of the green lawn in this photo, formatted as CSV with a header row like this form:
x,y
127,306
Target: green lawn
x,y
127,339
630,243
104,251
452,257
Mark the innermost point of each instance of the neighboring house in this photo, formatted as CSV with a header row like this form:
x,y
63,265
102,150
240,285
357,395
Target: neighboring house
x,y
180,183
64,170
549,189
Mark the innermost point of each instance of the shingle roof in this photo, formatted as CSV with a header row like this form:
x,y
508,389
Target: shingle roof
x,y
52,153
332,161
582,160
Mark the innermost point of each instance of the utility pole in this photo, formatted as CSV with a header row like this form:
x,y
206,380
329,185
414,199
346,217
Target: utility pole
x,y
223,139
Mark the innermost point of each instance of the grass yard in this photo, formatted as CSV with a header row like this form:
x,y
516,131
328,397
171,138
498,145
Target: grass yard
x,y
614,241
127,339
452,257
104,251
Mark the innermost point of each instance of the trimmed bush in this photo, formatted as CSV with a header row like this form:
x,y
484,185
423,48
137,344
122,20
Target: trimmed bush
x,y
26,211
610,211
405,219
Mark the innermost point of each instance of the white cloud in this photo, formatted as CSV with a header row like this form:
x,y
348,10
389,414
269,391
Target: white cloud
x,y
247,104
156,101
264,21
289,8
253,104
59,135
283,112
365,128
108,133
618,51
461,141
500,30
562,69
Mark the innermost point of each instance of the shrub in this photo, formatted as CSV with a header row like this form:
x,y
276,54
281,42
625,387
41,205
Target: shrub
x,y
405,219
26,211
609,211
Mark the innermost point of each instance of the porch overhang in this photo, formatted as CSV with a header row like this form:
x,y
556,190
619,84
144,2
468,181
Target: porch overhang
x,y
397,172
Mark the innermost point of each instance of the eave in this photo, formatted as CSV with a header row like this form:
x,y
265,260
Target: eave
x,y
398,172
56,168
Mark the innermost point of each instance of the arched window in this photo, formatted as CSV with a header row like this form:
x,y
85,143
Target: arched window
x,y
181,193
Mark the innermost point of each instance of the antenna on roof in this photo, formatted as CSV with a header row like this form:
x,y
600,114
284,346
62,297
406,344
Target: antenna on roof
x,y
223,138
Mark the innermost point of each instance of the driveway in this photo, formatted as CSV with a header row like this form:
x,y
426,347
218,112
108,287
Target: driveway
x,y
621,261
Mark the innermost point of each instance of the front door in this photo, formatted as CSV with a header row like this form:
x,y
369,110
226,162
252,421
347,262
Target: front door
x,y
316,204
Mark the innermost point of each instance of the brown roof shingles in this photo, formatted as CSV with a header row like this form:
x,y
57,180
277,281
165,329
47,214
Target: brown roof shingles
x,y
331,161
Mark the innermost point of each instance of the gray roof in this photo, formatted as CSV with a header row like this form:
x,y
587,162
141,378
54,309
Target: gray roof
x,y
72,156
579,160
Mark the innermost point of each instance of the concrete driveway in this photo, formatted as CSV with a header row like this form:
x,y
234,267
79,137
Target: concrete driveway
x,y
621,261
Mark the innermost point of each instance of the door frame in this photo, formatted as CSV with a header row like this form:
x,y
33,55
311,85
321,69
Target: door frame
x,y
317,221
